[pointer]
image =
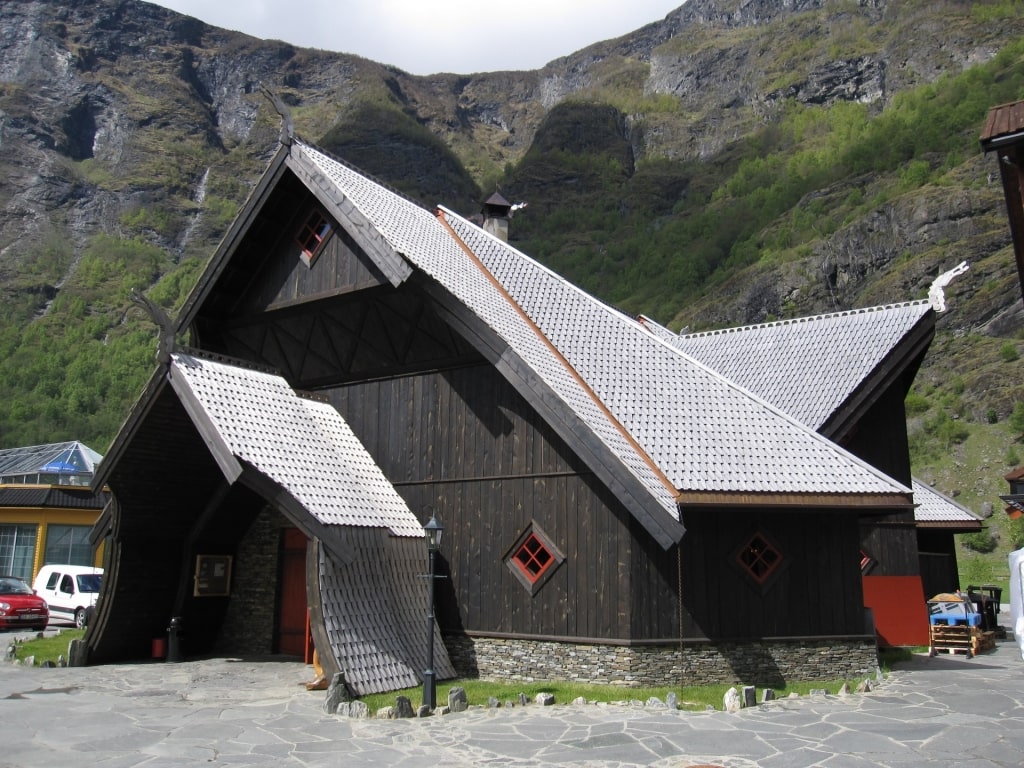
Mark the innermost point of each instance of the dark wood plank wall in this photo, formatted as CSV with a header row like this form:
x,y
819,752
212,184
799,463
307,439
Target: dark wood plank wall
x,y
817,590
892,541
161,484
286,279
463,443
876,442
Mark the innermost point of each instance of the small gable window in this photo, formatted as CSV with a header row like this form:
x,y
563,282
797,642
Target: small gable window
x,y
867,562
533,558
759,558
312,236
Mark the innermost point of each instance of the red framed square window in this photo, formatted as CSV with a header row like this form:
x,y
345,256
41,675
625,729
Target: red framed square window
x,y
759,558
533,558
312,236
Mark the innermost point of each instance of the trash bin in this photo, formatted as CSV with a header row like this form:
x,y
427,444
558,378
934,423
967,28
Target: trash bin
x,y
174,634
986,598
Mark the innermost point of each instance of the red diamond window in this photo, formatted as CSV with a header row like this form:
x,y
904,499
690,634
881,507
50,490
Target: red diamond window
x,y
533,558
759,558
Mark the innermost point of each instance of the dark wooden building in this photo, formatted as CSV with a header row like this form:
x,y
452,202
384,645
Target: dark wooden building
x,y
614,510
1003,134
846,375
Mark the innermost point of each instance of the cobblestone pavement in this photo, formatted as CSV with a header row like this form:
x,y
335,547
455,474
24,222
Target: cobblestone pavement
x,y
942,711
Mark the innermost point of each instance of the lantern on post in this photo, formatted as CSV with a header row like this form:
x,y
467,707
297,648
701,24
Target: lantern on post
x,y
432,532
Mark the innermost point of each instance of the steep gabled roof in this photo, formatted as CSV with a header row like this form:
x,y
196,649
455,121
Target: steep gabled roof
x,y
389,226
711,438
658,426
936,510
847,355
662,415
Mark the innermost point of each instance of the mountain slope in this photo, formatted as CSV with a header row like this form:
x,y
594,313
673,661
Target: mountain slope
x,y
736,161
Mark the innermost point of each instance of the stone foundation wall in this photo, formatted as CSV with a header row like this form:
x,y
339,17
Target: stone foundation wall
x,y
766,663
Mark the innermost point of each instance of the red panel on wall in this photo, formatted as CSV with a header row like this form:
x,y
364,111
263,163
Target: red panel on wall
x,y
899,607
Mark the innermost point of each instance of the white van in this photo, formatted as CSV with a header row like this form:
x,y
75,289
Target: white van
x,y
69,590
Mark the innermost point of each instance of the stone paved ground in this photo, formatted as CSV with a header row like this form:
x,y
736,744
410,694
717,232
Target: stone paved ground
x,y
936,712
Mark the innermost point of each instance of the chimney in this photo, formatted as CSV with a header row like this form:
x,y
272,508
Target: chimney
x,y
497,211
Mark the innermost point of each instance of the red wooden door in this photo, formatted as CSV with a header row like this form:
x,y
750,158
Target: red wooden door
x,y
291,637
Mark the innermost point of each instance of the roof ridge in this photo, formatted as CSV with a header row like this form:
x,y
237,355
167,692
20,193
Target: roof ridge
x,y
559,354
526,257
356,169
809,318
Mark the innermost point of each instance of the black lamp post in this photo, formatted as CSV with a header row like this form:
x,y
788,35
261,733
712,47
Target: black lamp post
x,y
432,530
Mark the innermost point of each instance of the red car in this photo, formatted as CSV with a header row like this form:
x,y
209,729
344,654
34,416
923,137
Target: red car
x,y
20,607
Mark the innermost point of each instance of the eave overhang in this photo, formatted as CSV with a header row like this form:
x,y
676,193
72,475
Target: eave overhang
x,y
865,503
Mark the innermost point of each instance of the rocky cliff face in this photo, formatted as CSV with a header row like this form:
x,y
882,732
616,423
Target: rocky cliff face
x,y
124,120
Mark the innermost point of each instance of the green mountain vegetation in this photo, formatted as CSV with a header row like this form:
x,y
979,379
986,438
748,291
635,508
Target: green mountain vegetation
x,y
735,163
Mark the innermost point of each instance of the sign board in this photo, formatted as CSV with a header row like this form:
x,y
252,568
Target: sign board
x,y
213,576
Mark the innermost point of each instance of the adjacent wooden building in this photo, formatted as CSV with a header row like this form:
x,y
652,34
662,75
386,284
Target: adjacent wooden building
x,y
1003,134
846,375
614,510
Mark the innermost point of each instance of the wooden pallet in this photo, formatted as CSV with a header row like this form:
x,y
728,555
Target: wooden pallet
x,y
959,639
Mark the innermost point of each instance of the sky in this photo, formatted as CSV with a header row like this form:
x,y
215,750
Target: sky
x,y
424,37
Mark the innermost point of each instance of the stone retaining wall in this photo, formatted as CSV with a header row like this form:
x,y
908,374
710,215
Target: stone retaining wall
x,y
766,663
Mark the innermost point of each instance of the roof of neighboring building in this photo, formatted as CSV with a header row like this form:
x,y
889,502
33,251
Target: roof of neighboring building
x,y
837,352
68,463
303,445
661,413
1003,124
937,508
1015,474
52,497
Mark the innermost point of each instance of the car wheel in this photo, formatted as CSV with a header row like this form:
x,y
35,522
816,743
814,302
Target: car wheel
x,y
80,618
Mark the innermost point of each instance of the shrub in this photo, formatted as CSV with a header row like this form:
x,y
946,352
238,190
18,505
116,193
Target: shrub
x,y
916,404
980,541
1016,420
1015,533
1008,353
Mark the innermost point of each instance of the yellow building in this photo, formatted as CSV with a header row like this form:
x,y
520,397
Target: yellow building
x,y
47,509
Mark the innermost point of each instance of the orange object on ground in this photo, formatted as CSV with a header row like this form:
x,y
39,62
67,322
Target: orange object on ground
x,y
899,607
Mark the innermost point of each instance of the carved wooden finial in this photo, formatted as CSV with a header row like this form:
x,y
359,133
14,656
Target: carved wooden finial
x,y
163,321
287,126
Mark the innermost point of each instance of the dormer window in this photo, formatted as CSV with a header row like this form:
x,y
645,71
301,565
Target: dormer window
x,y
312,236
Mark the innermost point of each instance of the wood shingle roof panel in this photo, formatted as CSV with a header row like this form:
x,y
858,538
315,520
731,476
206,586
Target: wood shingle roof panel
x,y
936,507
836,352
704,432
373,613
304,446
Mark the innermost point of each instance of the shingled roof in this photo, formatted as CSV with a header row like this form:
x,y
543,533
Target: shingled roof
x,y
661,414
303,445
842,353
936,510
